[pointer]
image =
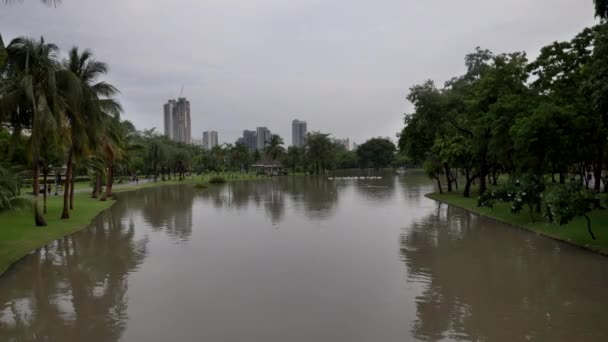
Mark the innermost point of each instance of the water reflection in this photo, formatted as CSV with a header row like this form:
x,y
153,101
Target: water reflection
x,y
74,289
316,197
485,282
168,208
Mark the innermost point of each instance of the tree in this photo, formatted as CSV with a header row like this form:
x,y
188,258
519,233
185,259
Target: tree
x,y
30,98
293,158
319,152
491,95
597,86
434,169
86,116
240,157
565,202
9,188
345,159
274,147
376,153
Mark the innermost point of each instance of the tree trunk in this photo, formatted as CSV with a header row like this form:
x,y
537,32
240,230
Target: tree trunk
x,y
483,171
562,178
35,177
467,186
439,185
448,176
589,227
72,191
97,187
108,192
66,188
46,190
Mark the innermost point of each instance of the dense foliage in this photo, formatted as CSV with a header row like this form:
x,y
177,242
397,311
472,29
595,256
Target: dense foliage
x,y
527,119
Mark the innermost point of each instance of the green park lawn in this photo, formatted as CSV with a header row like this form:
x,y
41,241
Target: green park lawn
x,y
574,233
19,236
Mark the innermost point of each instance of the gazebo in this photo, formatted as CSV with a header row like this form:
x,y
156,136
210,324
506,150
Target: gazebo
x,y
269,168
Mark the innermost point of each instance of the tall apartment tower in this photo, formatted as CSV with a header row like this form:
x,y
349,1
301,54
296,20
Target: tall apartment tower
x,y
298,133
263,136
178,125
250,139
210,139
169,107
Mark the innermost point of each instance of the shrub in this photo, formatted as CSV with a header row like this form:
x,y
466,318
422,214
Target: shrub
x,y
217,180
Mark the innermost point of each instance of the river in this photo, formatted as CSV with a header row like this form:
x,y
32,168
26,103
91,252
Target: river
x,y
303,259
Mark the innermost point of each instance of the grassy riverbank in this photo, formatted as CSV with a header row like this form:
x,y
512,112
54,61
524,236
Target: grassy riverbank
x,y
19,236
574,233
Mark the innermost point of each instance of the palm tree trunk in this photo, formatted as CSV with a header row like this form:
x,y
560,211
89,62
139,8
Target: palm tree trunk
x,y
35,177
44,175
72,191
66,188
108,192
97,188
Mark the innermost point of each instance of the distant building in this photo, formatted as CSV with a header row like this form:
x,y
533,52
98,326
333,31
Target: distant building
x,y
197,142
250,139
298,132
343,142
263,136
168,118
210,139
177,120
355,146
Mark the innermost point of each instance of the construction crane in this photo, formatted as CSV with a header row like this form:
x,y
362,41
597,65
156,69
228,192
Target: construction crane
x,y
181,92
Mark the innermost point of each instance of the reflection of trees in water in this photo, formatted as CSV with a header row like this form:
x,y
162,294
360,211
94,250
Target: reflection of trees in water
x,y
488,282
316,195
75,288
414,185
169,208
377,190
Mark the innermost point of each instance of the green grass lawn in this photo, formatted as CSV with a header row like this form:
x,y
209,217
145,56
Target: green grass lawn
x,y
19,236
574,233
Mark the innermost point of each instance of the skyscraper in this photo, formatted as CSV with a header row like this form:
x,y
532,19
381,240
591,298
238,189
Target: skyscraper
x,y
250,139
210,139
177,120
168,112
263,136
298,132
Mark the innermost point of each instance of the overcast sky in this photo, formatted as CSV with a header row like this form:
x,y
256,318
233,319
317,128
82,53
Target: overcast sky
x,y
345,66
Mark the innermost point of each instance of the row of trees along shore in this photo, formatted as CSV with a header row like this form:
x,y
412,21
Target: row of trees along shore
x,y
543,122
60,118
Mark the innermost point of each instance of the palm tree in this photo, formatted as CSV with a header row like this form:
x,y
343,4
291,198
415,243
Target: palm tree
x,y
9,188
30,100
274,148
113,149
86,117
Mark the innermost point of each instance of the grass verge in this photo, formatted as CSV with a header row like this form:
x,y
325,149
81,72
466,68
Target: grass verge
x,y
574,233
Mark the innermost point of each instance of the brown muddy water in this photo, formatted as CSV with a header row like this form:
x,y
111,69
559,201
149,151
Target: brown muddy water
x,y
303,259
